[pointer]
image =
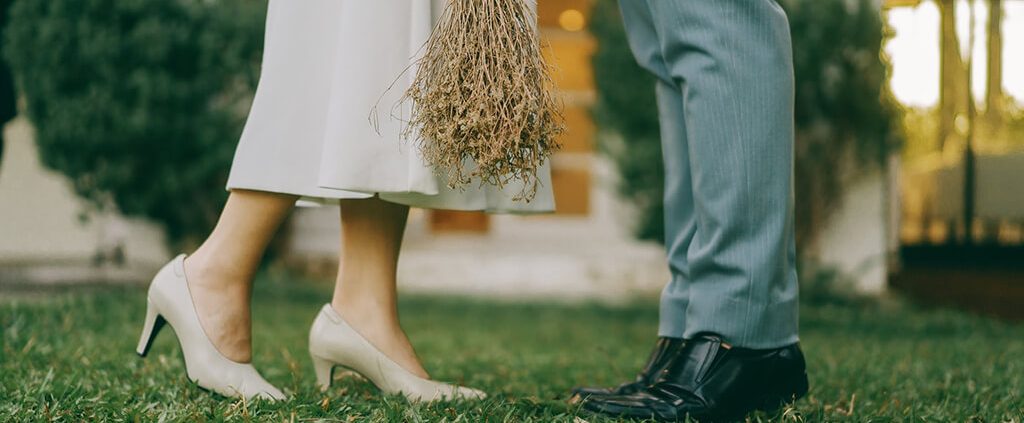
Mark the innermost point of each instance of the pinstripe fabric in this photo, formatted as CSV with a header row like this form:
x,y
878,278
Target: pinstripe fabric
x,y
725,95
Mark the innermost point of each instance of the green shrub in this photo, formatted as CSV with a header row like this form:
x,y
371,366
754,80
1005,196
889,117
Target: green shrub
x,y
845,115
139,102
627,115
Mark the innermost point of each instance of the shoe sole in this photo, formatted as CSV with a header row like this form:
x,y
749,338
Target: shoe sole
x,y
770,404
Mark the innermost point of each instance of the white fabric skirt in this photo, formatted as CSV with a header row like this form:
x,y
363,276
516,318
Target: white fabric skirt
x,y
326,121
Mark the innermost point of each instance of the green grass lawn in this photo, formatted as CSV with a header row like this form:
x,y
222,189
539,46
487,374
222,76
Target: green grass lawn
x,y
71,357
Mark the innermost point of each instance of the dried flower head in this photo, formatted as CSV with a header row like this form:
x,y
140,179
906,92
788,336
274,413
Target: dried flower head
x,y
483,95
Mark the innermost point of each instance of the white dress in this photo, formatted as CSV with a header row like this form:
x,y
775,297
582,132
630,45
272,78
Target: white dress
x,y
326,65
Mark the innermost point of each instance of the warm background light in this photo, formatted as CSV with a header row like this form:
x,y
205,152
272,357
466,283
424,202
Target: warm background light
x,y
572,20
915,50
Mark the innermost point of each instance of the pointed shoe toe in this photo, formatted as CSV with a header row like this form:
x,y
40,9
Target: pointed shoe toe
x,y
469,393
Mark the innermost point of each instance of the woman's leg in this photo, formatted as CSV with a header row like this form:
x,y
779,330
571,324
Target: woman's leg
x,y
220,272
365,293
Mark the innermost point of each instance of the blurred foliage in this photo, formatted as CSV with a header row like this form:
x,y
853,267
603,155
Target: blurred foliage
x,y
140,102
847,121
1003,134
922,136
627,116
1015,125
921,126
8,106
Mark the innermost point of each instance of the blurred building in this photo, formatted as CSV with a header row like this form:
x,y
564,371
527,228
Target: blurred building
x,y
965,154
959,72
585,250
49,236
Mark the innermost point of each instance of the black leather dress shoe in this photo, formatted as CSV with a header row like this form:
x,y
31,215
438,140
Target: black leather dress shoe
x,y
664,351
710,381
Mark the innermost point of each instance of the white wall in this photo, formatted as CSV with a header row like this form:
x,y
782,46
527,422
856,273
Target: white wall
x,y
40,215
856,239
548,258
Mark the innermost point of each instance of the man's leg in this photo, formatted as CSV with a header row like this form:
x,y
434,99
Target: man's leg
x,y
732,60
680,220
679,216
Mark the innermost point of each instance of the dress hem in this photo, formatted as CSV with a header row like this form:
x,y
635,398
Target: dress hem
x,y
319,200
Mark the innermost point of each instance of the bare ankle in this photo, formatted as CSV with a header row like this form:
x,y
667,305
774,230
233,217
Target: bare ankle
x,y
222,305
211,274
367,312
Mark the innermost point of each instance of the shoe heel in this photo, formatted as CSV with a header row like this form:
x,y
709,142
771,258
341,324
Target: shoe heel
x,y
150,328
787,395
324,372
802,387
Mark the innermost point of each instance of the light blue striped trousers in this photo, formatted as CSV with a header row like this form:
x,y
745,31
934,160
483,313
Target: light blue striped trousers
x,y
725,96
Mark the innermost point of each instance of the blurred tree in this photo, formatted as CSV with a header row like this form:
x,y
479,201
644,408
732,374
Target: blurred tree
x,y
846,118
627,114
994,94
952,75
139,102
8,99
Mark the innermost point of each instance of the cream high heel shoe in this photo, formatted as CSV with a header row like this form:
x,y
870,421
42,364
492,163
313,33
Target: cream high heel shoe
x,y
332,342
169,301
